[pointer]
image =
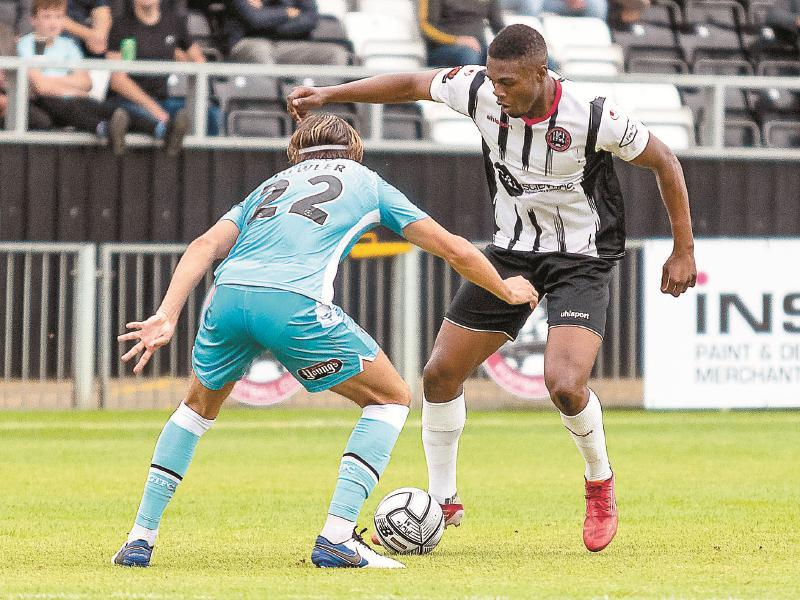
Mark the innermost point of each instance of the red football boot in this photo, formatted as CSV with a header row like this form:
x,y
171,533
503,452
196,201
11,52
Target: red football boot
x,y
600,524
453,511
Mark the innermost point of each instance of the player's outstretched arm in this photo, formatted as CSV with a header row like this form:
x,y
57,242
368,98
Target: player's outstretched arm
x,y
381,89
470,263
679,272
157,331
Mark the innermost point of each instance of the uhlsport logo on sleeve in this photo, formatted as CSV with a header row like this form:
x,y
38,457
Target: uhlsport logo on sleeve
x,y
321,369
518,367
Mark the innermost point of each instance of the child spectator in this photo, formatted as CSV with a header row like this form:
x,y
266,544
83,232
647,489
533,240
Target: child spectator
x,y
63,93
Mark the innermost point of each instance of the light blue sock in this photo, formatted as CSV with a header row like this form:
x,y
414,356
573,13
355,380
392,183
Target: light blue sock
x,y
171,459
365,458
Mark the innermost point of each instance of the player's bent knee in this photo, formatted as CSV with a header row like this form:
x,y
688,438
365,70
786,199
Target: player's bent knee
x,y
441,378
567,391
398,394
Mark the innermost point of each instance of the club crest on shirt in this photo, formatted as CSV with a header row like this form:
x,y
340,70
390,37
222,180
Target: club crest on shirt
x,y
321,369
558,139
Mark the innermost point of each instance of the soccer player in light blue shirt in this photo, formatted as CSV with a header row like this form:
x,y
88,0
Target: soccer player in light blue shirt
x,y
274,291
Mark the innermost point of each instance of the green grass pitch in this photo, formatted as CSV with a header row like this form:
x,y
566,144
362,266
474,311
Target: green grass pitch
x,y
709,508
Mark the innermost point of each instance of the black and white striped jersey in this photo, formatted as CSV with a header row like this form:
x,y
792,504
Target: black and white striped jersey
x,y
551,179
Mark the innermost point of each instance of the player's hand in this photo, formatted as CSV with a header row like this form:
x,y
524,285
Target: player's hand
x,y
520,291
149,335
679,273
302,99
470,42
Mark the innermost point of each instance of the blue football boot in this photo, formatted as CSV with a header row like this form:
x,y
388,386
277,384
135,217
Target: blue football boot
x,y
353,553
134,554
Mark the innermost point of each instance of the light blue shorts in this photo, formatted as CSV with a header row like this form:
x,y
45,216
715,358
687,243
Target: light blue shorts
x,y
319,344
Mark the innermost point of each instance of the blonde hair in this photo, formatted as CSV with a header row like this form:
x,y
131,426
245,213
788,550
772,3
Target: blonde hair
x,y
323,129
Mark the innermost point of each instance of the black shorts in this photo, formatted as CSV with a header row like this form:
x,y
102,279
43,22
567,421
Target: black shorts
x,y
576,288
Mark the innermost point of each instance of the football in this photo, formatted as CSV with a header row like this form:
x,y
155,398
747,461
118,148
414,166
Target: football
x,y
409,521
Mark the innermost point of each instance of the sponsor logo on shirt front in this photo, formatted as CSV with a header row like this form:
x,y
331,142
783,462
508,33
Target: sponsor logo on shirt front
x,y
497,121
321,370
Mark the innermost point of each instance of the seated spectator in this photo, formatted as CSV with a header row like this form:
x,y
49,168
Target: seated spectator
x,y
277,31
63,93
454,30
37,118
566,8
89,22
152,31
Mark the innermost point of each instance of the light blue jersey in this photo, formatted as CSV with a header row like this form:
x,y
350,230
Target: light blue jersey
x,y
297,226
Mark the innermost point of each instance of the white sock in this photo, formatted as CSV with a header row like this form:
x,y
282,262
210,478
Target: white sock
x,y
587,430
337,530
143,533
442,424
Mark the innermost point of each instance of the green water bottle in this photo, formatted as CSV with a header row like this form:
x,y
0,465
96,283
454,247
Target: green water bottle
x,y
127,49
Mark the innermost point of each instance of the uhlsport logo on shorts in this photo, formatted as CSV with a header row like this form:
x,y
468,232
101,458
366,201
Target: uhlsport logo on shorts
x,y
321,370
518,367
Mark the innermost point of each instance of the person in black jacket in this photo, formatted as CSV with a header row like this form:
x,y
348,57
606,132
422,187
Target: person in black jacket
x,y
277,31
454,30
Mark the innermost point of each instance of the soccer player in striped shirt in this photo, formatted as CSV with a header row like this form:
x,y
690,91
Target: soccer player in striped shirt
x,y
559,222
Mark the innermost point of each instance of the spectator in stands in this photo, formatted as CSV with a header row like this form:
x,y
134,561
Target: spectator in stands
x,y
37,118
567,8
784,18
150,30
277,31
624,13
64,93
454,30
89,22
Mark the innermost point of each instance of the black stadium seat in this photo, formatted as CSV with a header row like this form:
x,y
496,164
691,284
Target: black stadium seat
x,y
254,106
725,13
782,133
403,122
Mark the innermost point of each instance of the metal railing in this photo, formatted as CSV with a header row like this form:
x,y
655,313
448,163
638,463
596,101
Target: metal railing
x,y
199,76
47,299
58,302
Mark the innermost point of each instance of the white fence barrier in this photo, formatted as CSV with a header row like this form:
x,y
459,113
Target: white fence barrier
x,y
61,302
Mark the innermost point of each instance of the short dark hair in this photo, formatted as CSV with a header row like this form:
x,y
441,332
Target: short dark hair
x,y
517,41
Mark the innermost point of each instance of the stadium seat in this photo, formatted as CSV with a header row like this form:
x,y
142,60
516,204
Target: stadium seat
x,y
403,9
200,30
658,106
363,28
448,127
729,14
330,29
582,44
782,133
656,60
394,56
333,8
403,122
253,105
706,39
533,22
742,132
